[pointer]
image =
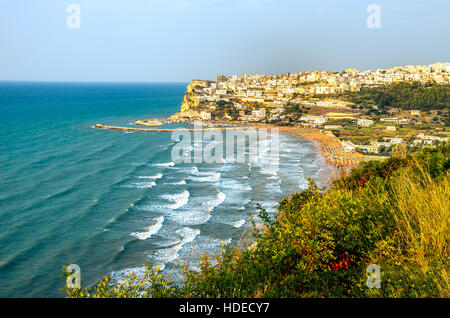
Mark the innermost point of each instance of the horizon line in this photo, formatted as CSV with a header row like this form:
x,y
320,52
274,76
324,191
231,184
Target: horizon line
x,y
91,82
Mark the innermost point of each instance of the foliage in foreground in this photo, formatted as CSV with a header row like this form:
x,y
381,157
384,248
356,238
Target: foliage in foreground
x,y
393,213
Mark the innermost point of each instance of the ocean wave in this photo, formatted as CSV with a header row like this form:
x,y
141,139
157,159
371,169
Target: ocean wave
x,y
199,215
239,223
269,170
182,182
124,274
140,185
206,177
179,199
211,205
273,187
157,176
165,164
236,224
233,184
151,230
303,184
191,217
170,254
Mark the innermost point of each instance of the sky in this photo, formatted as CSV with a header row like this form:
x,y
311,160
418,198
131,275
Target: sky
x,y
179,40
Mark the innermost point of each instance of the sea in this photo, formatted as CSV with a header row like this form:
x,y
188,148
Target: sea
x,y
112,201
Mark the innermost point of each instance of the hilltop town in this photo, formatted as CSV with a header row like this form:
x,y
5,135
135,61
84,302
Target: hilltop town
x,y
324,102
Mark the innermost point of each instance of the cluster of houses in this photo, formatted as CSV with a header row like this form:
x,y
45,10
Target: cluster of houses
x,y
374,147
275,90
265,97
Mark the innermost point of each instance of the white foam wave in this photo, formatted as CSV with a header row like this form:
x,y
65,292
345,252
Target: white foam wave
x,y
123,275
171,254
182,182
151,230
157,176
238,224
166,164
140,185
178,199
207,177
303,184
235,185
211,205
199,215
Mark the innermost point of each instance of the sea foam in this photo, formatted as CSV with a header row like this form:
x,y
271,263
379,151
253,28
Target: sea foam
x,y
165,164
157,176
170,254
206,177
178,199
151,230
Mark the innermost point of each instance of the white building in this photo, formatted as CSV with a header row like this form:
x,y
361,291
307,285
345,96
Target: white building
x,y
368,148
348,146
205,115
363,122
260,113
318,120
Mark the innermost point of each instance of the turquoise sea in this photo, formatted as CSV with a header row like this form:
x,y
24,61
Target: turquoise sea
x,y
112,201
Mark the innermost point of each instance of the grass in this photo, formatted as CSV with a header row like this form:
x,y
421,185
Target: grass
x,y
421,209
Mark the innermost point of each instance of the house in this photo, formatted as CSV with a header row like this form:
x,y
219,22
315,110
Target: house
x,y
415,112
348,146
318,120
332,127
205,115
363,122
261,113
391,128
397,140
368,148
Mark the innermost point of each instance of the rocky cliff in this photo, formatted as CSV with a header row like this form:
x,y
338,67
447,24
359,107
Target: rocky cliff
x,y
189,104
189,101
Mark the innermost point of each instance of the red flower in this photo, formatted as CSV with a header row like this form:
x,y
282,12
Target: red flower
x,y
362,182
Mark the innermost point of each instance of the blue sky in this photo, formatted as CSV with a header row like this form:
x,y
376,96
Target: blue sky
x,y
177,40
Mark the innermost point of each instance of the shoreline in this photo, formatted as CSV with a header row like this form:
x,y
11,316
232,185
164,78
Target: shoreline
x,y
329,147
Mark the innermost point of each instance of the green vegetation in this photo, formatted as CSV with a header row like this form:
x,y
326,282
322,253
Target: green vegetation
x,y
306,83
393,213
224,108
403,96
293,111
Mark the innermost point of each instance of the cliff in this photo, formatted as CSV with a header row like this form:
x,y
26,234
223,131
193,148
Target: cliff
x,y
189,101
